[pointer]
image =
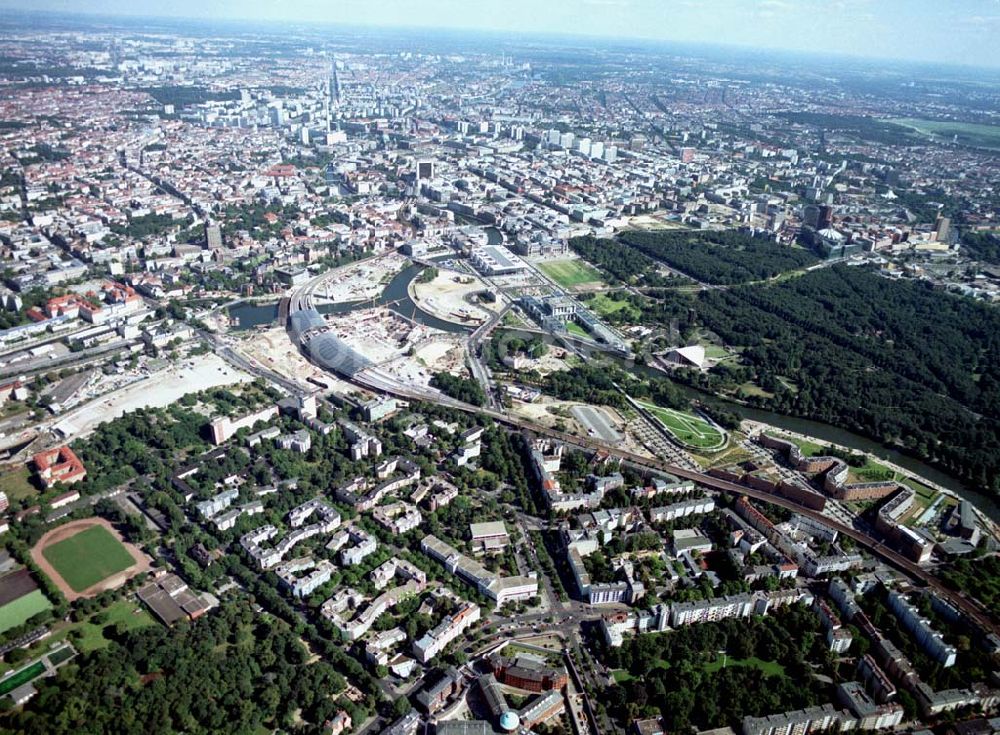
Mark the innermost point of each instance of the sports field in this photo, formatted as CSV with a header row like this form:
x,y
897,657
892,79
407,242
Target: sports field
x,y
570,273
18,611
690,430
21,677
88,557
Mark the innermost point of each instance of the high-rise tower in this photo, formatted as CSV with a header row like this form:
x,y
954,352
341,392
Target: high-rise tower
x,y
335,85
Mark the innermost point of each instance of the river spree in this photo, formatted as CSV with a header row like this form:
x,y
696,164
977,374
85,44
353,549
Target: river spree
x,y
395,296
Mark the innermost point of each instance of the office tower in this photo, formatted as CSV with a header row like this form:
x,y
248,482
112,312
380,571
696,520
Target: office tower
x,y
213,235
942,228
825,217
425,169
810,216
335,91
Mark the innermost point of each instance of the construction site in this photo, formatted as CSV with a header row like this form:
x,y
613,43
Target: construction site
x,y
106,397
362,281
409,351
456,297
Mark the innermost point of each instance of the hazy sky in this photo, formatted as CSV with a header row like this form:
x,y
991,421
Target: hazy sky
x,y
960,31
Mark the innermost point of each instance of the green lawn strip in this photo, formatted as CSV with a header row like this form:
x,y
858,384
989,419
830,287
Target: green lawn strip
x,y
604,306
870,472
767,668
16,483
968,133
88,557
752,389
18,611
715,352
124,612
928,493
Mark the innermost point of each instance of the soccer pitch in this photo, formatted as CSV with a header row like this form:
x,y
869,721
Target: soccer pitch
x,y
18,611
88,557
569,273
689,430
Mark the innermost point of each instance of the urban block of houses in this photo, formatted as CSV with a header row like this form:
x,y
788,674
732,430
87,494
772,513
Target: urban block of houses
x,y
490,584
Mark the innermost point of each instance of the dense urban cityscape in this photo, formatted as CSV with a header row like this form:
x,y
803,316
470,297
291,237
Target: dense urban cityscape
x,y
382,381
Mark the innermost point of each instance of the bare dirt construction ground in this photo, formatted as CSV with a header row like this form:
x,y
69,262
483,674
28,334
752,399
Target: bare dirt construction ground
x,y
71,529
158,389
449,297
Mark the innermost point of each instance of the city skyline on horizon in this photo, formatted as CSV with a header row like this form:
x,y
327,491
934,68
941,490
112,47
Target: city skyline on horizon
x,y
891,30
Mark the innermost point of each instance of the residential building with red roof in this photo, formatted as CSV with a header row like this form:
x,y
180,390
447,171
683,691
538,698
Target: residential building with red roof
x,y
60,465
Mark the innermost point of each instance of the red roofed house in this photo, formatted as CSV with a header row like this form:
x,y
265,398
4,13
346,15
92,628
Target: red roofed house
x,y
119,293
15,389
68,305
281,171
59,465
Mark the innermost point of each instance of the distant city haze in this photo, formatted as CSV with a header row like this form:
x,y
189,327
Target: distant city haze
x,y
949,31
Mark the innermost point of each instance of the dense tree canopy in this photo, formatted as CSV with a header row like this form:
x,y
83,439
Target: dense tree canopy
x,y
604,384
461,389
898,361
231,671
676,675
984,246
622,262
725,257
977,577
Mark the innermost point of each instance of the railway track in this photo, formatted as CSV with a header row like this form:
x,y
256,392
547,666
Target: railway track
x,y
875,546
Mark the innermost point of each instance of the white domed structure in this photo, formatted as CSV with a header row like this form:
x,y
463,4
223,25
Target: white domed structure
x,y
509,721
